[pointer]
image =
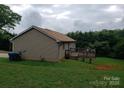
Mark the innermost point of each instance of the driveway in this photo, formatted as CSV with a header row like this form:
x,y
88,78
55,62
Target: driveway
x,y
4,54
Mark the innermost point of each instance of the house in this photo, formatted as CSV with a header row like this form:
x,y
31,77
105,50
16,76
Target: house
x,y
37,43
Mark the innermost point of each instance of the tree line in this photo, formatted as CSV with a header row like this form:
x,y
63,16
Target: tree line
x,y
108,43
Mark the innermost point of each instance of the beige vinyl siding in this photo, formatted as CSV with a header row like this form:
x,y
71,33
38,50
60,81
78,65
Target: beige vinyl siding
x,y
63,47
61,52
37,46
72,45
66,46
69,45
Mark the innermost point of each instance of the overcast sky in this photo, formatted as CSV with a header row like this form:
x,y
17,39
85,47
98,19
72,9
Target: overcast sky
x,y
66,18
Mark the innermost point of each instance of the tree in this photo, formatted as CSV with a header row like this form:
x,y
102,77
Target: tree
x,y
102,48
8,19
119,49
4,40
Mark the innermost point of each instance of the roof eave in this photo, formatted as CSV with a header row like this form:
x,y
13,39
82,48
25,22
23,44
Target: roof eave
x,y
22,33
66,41
34,27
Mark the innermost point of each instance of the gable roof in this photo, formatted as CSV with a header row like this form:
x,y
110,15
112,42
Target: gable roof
x,y
58,37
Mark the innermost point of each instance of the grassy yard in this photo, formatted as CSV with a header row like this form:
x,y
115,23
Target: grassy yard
x,y
104,72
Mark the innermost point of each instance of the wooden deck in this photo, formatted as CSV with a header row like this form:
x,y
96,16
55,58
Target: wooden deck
x,y
81,53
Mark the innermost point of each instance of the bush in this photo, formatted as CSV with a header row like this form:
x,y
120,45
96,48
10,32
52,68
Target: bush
x,y
119,50
102,48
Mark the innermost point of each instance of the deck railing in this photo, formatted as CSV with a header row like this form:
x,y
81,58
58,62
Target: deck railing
x,y
81,53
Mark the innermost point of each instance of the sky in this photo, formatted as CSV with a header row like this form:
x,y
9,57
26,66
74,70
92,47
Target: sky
x,y
66,18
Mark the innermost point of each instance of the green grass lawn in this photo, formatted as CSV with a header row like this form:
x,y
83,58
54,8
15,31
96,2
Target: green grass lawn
x,y
67,73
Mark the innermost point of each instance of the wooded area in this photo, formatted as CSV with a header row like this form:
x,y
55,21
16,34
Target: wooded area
x,y
108,43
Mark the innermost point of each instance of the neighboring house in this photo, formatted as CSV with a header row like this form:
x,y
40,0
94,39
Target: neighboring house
x,y
37,43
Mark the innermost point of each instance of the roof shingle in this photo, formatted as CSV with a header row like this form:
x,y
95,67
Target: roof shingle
x,y
59,37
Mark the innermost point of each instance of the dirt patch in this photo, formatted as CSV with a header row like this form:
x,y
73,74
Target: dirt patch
x,y
104,67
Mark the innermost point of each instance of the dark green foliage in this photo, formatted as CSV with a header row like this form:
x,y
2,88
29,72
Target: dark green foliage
x,y
102,48
106,42
4,40
119,50
8,19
